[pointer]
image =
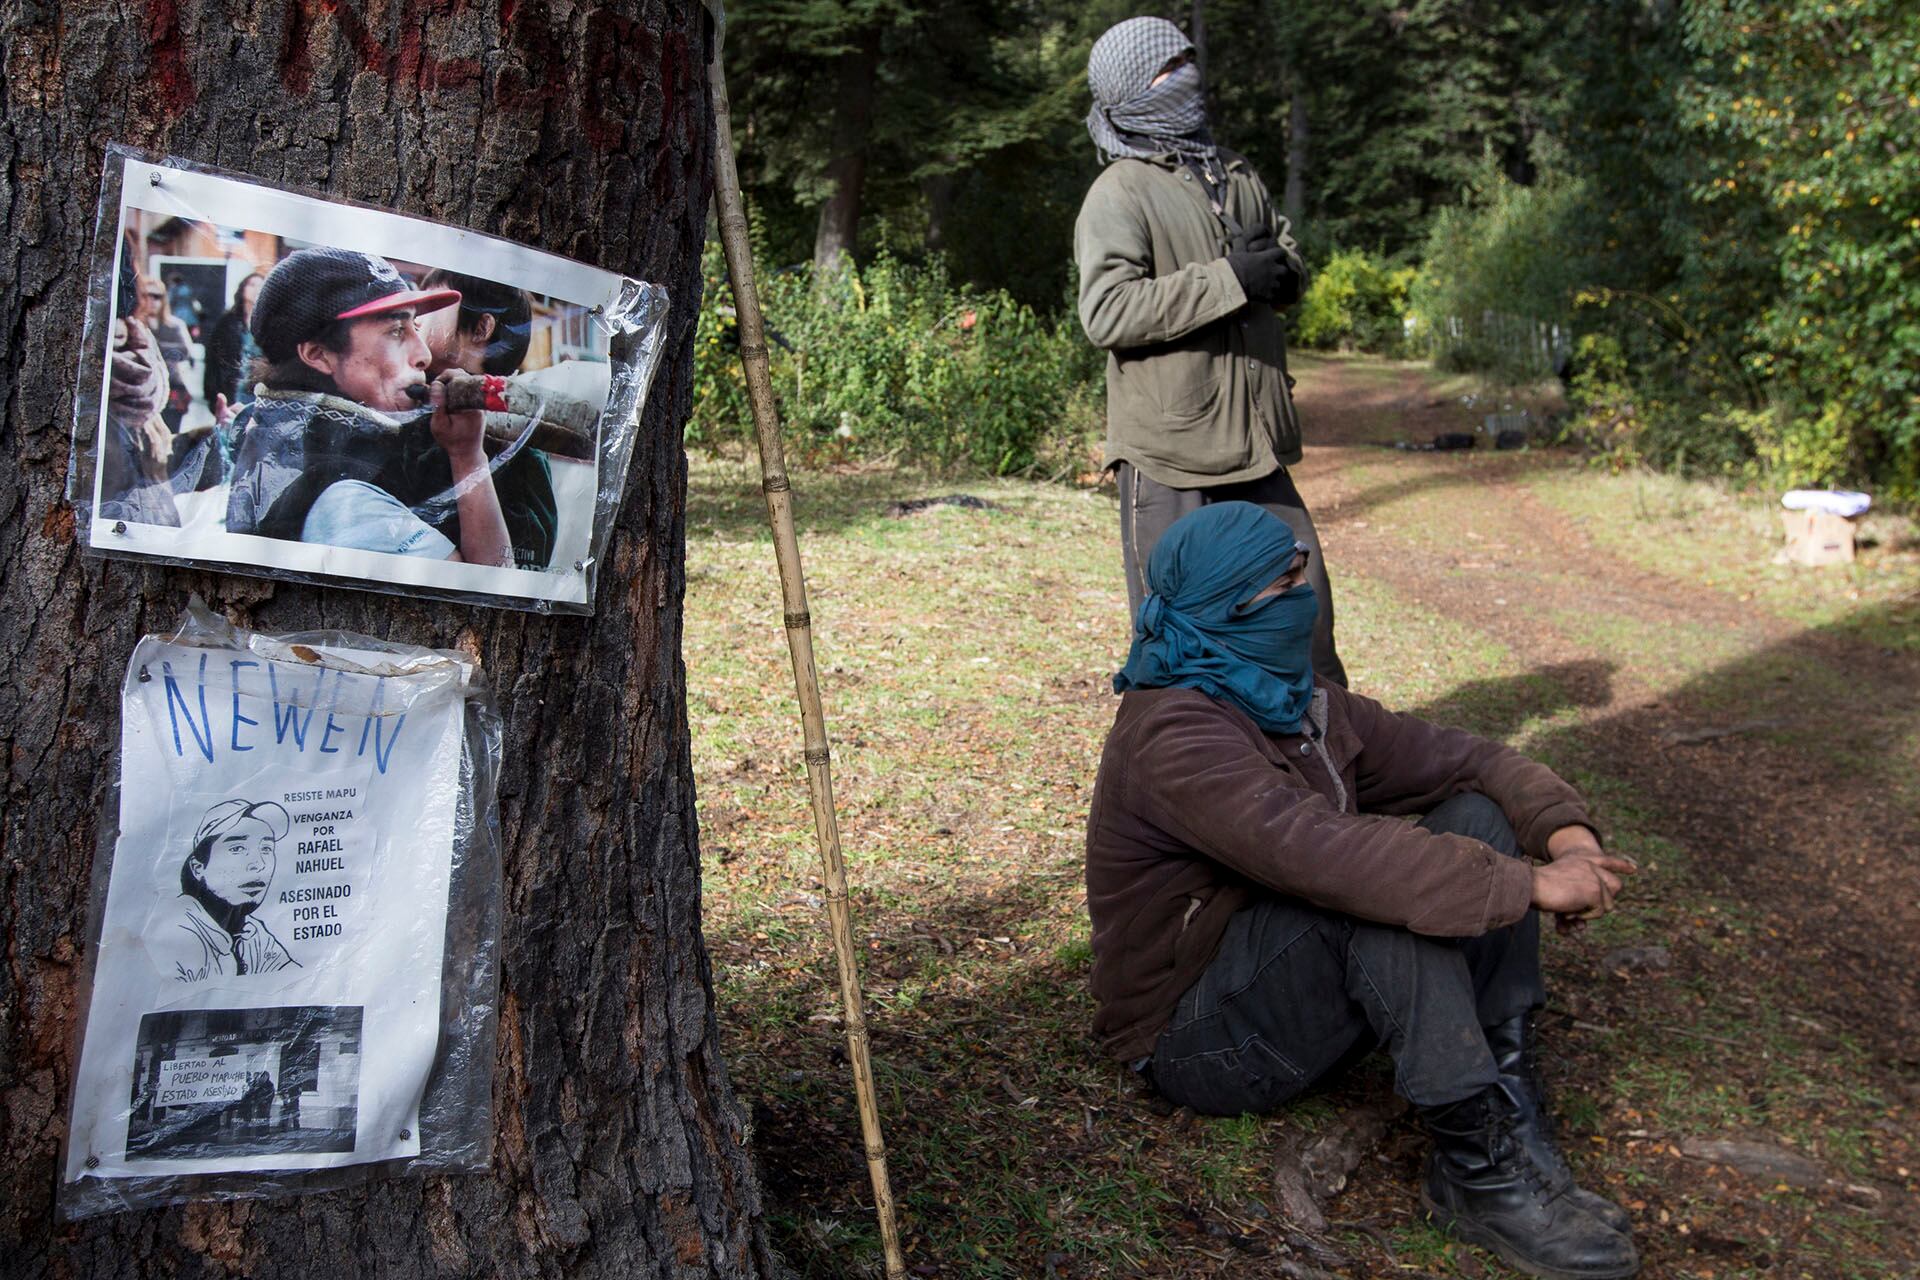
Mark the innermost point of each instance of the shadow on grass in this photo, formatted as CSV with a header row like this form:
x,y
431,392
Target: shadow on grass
x,y
1498,708
1016,1147
1786,780
987,1077
1014,1143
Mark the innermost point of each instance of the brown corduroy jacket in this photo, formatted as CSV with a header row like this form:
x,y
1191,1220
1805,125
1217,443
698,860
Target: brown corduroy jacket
x,y
1196,811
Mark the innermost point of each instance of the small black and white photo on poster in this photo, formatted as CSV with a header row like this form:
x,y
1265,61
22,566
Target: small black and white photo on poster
x,y
211,1083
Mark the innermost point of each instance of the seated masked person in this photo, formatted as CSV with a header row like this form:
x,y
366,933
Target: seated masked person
x,y
1283,875
335,449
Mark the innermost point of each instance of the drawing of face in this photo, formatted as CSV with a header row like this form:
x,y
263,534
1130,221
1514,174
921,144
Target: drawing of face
x,y
239,864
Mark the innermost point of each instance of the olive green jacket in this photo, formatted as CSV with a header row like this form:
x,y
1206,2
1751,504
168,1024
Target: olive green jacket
x,y
1196,374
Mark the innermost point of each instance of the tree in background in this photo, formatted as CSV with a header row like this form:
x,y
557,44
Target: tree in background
x,y
1749,234
1811,112
1724,187
1370,116
972,145
621,1150
957,127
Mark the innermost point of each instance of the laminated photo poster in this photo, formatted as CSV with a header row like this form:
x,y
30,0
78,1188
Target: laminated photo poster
x,y
267,990
277,384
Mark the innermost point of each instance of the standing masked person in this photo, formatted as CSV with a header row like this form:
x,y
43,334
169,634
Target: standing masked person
x,y
1283,875
1183,263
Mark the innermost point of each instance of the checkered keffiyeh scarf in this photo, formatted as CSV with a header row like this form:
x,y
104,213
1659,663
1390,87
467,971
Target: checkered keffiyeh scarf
x,y
1131,115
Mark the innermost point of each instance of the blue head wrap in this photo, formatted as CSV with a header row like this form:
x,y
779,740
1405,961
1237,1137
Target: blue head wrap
x,y
1198,629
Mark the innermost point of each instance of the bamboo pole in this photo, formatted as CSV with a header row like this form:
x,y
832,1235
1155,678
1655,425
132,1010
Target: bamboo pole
x,y
793,591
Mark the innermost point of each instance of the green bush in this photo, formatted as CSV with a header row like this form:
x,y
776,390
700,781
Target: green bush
x,y
1812,123
1497,277
1802,450
895,360
1355,302
1645,417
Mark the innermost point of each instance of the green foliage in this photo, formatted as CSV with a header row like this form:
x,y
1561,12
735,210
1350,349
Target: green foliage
x,y
1357,302
973,147
976,148
1800,452
1397,103
1603,400
1730,201
1726,188
1756,253
1810,108
894,360
1632,419
1498,277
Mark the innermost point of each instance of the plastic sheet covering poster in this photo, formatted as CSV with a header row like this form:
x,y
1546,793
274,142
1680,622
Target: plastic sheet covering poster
x,y
267,990
295,387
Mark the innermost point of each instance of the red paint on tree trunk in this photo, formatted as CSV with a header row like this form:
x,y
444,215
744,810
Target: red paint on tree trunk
x,y
616,49
167,72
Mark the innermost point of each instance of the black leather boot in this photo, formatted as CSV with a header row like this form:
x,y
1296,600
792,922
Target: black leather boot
x,y
1512,1044
1484,1186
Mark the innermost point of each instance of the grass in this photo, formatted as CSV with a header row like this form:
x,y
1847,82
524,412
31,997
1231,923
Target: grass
x,y
964,657
1708,536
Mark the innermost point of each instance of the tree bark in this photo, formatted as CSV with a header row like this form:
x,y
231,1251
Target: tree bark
x,y
583,129
839,227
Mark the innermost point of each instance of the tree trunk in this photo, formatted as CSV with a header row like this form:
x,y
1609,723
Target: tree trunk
x,y
938,191
584,129
1197,32
1293,198
839,229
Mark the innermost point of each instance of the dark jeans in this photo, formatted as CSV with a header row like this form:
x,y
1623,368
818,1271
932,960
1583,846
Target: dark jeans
x,y
1148,508
1296,992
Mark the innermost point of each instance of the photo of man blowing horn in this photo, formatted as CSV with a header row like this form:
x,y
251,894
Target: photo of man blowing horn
x,y
333,450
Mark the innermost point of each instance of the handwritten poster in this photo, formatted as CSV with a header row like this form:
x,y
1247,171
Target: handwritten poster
x,y
267,990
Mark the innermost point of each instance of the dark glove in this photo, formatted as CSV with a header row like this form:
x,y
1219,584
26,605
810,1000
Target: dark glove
x,y
1252,240
1264,269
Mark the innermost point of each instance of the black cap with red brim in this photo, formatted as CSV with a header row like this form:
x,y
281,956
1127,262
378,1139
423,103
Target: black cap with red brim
x,y
312,288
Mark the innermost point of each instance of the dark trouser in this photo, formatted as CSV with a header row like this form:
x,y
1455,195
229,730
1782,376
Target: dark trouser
x,y
1295,992
1148,508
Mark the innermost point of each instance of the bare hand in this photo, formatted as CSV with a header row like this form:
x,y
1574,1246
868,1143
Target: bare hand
x,y
222,411
460,434
1580,885
152,447
1572,839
